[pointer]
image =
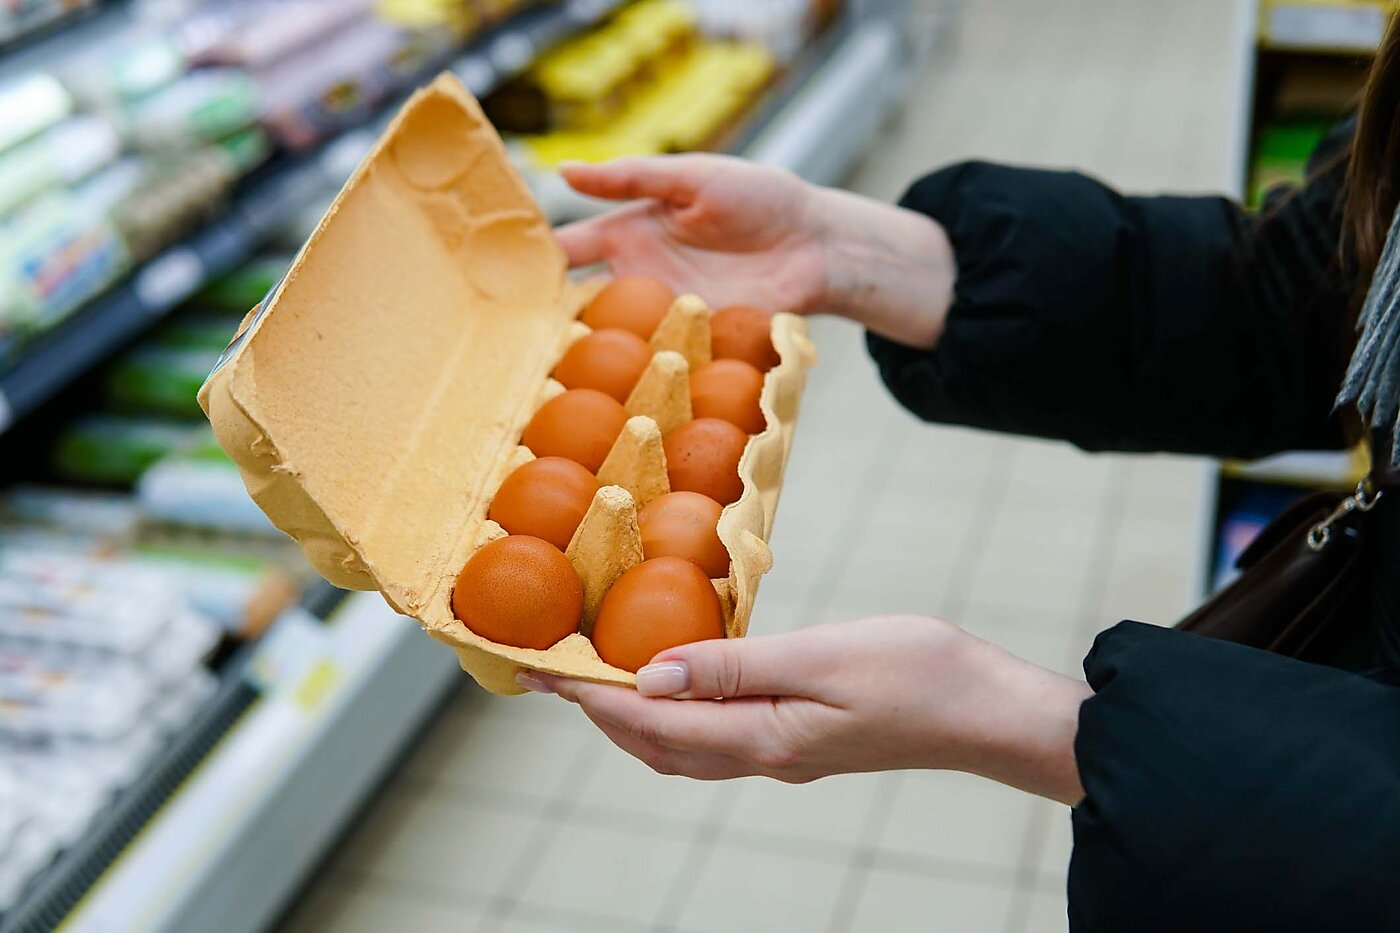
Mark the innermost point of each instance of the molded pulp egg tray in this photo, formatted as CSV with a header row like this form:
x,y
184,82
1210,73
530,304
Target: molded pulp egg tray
x,y
374,401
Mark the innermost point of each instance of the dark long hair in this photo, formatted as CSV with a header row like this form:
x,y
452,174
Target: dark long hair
x,y
1373,174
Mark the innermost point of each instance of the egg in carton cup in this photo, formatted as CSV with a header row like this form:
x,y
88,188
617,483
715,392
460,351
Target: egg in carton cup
x,y
374,401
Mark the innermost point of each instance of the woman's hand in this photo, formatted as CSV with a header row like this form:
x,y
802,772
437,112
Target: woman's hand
x,y
735,232
879,694
730,231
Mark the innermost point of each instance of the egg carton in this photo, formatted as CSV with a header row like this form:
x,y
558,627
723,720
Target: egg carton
x,y
375,400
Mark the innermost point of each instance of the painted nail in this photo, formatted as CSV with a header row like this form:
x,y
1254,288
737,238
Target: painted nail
x,y
664,679
533,684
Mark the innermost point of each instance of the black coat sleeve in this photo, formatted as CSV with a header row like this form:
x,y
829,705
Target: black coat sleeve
x,y
1227,788
1134,323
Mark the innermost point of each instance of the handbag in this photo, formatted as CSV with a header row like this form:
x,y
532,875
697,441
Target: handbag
x,y
1303,584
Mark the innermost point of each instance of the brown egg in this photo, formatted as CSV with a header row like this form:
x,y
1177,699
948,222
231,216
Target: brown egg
x,y
519,591
610,361
703,456
729,390
685,525
656,605
580,424
630,302
743,333
545,498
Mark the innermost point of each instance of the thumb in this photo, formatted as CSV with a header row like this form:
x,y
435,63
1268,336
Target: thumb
x,y
774,665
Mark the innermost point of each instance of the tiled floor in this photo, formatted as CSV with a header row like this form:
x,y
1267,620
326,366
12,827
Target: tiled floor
x,y
514,815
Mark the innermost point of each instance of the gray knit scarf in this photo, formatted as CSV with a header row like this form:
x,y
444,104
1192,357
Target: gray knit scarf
x,y
1372,382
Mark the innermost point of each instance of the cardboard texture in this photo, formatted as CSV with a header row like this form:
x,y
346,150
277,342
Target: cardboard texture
x,y
375,400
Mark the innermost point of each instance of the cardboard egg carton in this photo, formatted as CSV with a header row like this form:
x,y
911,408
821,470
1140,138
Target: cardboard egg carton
x,y
375,400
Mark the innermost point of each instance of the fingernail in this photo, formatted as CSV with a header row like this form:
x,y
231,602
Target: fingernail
x,y
570,164
663,680
533,684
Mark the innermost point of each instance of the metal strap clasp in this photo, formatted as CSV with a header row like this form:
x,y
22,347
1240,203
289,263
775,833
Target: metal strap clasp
x,y
1363,500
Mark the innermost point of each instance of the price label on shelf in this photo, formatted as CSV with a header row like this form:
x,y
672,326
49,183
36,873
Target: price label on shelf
x,y
1313,26
294,658
169,279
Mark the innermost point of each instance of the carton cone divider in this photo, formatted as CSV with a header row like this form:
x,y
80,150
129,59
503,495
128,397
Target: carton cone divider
x,y
686,330
663,391
637,461
606,545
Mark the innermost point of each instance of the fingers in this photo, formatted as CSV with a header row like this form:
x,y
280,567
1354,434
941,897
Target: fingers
x,y
774,665
700,766
736,728
673,179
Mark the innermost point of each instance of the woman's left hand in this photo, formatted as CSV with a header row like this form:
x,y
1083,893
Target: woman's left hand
x,y
878,694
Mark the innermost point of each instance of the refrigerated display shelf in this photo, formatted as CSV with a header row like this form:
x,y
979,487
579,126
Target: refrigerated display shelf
x,y
234,842
267,200
62,885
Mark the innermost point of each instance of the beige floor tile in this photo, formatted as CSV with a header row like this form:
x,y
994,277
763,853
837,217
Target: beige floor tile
x,y
507,757
744,889
341,906
534,918
1058,840
1036,586
916,591
998,621
430,839
1047,914
1051,528
906,901
600,870
529,710
834,810
957,818
1059,552
1053,647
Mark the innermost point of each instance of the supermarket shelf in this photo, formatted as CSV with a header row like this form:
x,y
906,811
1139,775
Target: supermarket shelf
x,y
54,892
1323,26
817,122
268,200
822,129
239,836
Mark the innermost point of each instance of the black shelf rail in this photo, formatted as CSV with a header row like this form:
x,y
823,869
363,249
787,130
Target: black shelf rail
x,y
265,202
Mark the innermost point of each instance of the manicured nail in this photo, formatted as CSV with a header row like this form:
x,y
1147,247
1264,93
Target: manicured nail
x,y
663,680
533,684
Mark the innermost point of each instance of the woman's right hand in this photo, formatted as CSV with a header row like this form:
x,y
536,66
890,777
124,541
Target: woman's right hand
x,y
730,231
735,232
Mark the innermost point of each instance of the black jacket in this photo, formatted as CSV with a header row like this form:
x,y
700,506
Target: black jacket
x,y
1226,788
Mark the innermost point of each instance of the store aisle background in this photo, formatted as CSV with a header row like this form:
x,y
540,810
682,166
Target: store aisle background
x,y
514,815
